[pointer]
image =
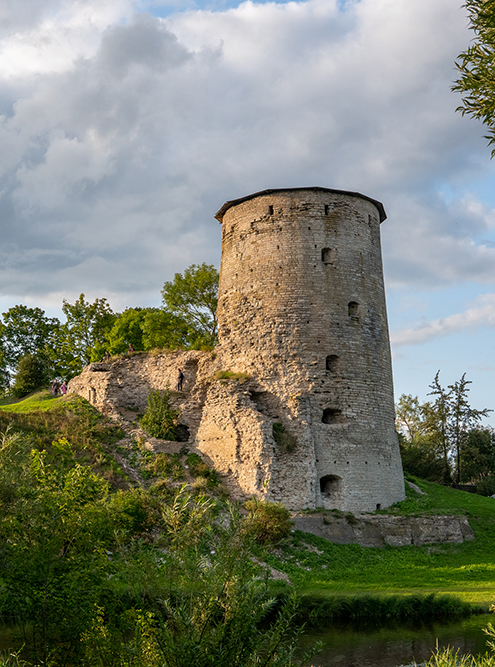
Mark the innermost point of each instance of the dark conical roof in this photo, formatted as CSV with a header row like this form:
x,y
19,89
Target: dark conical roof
x,y
234,202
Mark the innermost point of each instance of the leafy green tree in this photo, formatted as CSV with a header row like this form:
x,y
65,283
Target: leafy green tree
x,y
31,375
476,67
420,440
421,459
193,297
410,417
127,329
87,325
434,435
4,373
437,415
25,331
162,329
461,419
478,457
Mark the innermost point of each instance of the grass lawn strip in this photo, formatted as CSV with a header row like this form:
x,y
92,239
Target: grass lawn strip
x,y
466,570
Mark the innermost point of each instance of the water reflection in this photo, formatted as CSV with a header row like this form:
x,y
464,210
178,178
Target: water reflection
x,y
387,647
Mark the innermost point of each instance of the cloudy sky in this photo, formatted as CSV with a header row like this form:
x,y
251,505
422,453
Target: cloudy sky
x,y
126,124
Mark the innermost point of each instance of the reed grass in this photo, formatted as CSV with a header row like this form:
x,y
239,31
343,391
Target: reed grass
x,y
449,658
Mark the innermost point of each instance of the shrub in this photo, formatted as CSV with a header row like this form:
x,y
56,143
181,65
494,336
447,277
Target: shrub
x,y
283,438
168,465
267,522
198,468
419,460
230,375
486,485
160,420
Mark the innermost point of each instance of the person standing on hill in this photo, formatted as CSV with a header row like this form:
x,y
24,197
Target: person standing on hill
x,y
180,380
55,387
63,388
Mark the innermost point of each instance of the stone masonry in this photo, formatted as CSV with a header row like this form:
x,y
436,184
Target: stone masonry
x,y
303,324
302,312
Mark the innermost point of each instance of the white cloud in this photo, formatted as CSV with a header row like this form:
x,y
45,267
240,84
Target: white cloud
x,y
43,37
482,314
125,135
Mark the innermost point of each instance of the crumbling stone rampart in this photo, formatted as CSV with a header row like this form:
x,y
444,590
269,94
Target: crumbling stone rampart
x,y
394,531
123,384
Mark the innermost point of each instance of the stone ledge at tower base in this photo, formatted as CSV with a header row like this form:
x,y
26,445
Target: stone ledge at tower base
x,y
381,531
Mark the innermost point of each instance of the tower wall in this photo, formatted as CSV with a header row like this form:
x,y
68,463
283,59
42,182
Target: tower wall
x,y
302,312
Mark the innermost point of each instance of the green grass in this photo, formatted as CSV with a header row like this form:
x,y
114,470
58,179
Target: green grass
x,y
45,419
43,400
466,570
230,375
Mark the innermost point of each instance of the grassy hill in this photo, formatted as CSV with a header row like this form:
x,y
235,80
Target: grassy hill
x,y
312,564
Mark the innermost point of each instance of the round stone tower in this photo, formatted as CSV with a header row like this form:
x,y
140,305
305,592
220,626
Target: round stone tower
x,y
302,313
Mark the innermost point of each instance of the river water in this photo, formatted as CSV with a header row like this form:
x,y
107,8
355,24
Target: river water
x,y
386,647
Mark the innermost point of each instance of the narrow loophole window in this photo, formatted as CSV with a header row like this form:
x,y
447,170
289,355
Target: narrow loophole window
x,y
270,210
332,363
327,209
327,255
353,309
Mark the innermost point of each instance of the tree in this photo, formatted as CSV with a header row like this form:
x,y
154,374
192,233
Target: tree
x,y
409,416
438,437
438,416
193,297
421,445
476,67
160,420
461,419
162,329
127,328
4,373
453,418
478,459
74,342
25,331
31,375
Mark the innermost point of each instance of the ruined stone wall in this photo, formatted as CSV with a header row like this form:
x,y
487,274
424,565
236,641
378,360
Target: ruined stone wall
x,y
394,531
302,311
126,383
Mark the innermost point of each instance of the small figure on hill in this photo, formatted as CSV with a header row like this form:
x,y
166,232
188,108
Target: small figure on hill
x,y
130,348
106,356
55,387
180,380
63,388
